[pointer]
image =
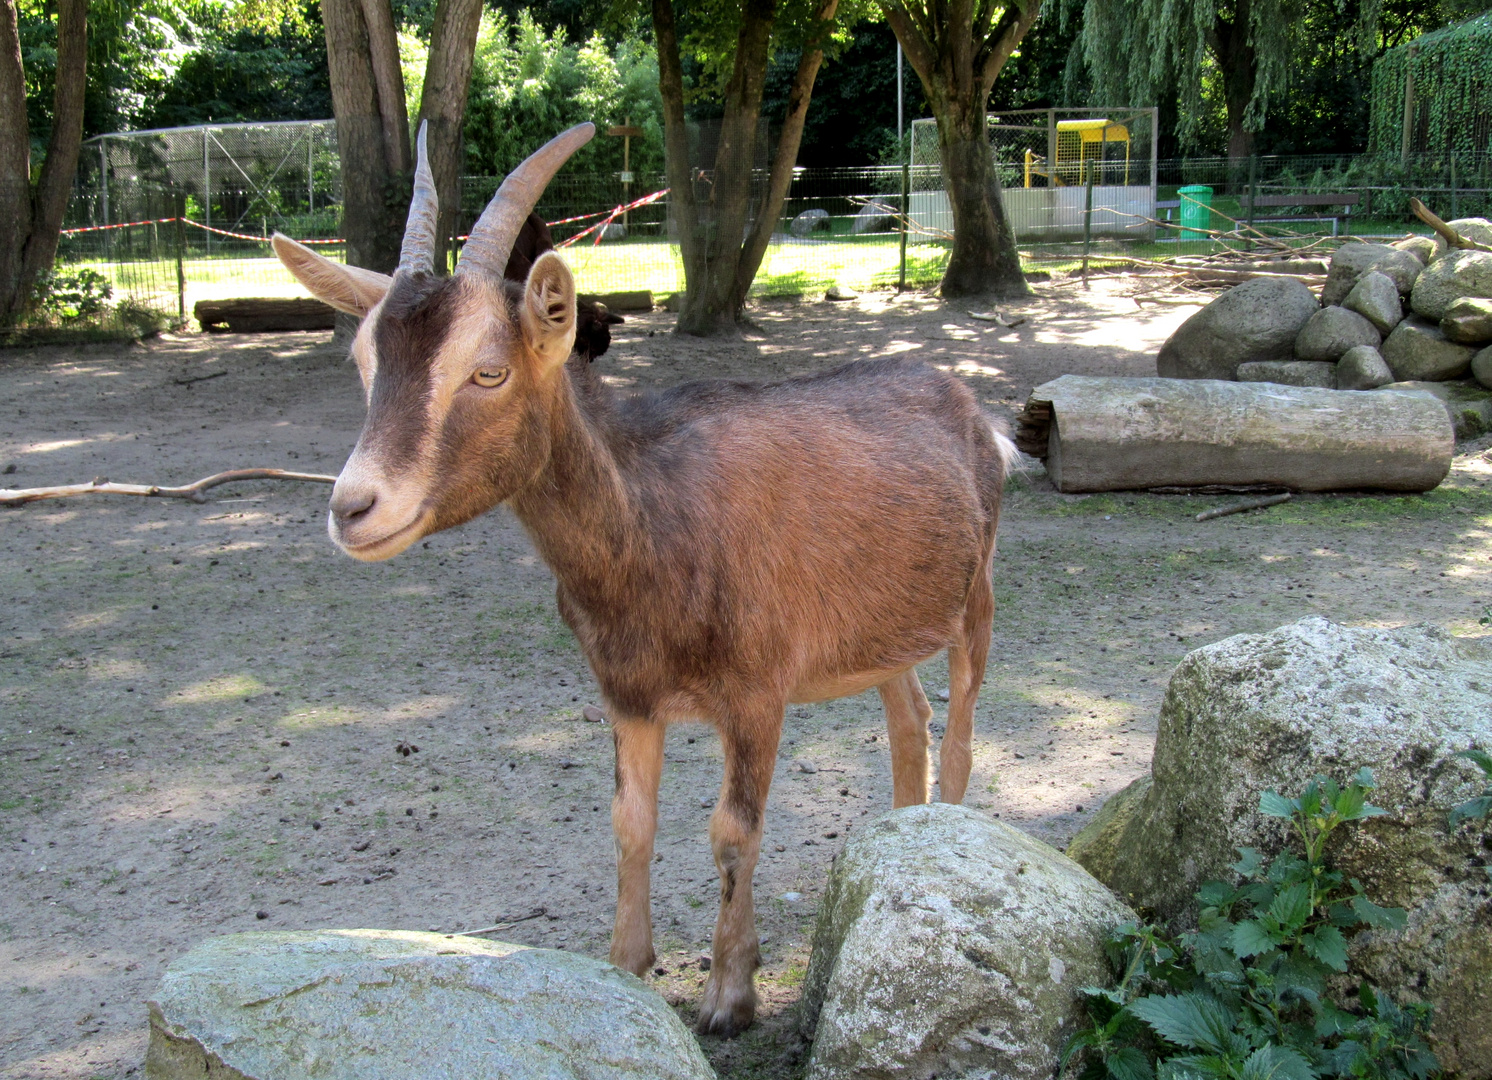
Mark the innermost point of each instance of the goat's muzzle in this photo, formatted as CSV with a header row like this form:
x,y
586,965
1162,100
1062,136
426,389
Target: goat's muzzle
x,y
370,521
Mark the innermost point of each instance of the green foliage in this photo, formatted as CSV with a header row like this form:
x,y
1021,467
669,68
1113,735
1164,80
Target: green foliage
x,y
1481,806
1452,89
69,297
244,62
528,83
1244,997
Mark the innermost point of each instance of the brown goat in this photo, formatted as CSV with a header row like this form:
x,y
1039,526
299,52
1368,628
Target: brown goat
x,y
721,548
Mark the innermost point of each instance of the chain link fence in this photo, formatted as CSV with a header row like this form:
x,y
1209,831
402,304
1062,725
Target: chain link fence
x,y
168,218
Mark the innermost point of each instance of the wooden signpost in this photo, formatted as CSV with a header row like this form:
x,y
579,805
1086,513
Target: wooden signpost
x,y
626,131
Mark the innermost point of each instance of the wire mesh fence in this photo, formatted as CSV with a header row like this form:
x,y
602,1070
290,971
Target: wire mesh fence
x,y
169,218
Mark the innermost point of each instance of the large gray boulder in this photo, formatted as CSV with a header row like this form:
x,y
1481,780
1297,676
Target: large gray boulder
x,y
875,216
1362,368
1468,321
1421,247
1478,229
809,221
1332,331
1376,298
1290,373
1481,367
1257,320
1450,277
1352,260
1417,350
1261,711
950,944
393,1005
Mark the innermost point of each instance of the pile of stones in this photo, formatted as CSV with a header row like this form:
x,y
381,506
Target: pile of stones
x,y
1413,312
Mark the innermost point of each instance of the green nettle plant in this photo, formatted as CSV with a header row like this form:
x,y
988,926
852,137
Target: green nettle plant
x,y
1245,996
1481,806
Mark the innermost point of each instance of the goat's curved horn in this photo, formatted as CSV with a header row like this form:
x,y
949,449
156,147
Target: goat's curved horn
x,y
418,252
491,240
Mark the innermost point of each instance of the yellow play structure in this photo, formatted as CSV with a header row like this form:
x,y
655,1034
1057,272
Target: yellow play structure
x,y
1080,144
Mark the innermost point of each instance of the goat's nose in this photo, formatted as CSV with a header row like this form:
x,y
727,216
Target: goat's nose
x,y
352,501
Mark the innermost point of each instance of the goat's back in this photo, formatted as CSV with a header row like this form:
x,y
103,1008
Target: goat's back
x,y
817,530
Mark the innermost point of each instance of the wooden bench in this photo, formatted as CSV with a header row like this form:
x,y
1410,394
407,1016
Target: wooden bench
x,y
1347,202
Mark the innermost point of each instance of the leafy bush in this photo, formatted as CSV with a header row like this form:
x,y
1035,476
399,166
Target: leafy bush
x,y
1245,997
70,297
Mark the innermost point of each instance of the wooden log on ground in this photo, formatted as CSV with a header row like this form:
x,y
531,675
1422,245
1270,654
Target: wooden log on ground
x,y
1111,434
640,300
257,315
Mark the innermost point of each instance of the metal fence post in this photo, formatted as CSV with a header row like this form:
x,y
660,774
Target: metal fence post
x,y
1455,195
1087,222
1253,190
180,257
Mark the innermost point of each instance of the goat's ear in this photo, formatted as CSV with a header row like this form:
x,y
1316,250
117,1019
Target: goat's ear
x,y
346,288
548,315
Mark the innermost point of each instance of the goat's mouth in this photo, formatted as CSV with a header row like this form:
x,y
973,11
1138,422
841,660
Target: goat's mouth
x,y
383,547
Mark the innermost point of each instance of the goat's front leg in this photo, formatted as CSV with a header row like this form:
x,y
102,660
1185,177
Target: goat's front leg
x,y
750,744
634,819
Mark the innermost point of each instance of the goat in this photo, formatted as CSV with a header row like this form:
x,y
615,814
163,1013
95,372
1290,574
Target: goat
x,y
721,548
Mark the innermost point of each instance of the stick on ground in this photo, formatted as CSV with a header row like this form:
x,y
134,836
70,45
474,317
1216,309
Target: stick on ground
x,y
194,491
1247,504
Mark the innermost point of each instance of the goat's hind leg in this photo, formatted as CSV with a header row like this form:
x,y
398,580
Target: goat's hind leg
x,y
750,744
634,819
907,717
966,661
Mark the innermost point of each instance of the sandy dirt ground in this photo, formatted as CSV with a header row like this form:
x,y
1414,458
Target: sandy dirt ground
x,y
211,721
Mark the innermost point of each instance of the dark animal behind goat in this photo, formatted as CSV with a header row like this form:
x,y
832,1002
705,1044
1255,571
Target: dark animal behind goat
x,y
593,322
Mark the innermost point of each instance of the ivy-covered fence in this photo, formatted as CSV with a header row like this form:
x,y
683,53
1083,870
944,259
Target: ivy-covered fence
x,y
1434,94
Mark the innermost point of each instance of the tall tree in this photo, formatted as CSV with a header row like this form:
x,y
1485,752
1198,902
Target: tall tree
x,y
957,48
31,214
443,106
1136,49
362,56
712,208
373,121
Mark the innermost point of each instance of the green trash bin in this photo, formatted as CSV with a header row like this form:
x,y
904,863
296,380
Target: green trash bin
x,y
1196,210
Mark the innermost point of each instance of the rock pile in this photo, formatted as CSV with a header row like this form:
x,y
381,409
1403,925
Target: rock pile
x,y
1260,711
1413,312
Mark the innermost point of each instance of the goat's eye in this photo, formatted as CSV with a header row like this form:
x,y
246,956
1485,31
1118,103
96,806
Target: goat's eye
x,y
490,377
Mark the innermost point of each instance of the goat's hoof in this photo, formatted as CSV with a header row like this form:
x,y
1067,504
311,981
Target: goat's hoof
x,y
637,961
726,1012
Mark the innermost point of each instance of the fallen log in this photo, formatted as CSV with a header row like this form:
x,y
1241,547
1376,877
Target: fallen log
x,y
637,300
256,315
1114,434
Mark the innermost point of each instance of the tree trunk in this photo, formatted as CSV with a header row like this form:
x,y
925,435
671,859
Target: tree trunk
x,y
683,204
709,306
388,79
784,160
958,50
55,186
30,221
15,159
374,196
1237,63
984,259
453,43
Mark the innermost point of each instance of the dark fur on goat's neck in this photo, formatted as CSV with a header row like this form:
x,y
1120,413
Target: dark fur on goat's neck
x,y
703,534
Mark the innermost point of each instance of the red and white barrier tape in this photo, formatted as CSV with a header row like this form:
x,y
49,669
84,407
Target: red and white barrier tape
x,y
608,216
